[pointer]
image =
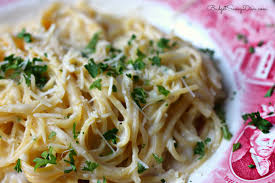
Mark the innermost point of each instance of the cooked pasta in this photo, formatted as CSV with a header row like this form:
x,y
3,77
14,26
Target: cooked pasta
x,y
86,97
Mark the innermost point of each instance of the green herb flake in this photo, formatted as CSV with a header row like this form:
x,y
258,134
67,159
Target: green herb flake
x,y
251,49
236,146
258,121
151,42
156,60
208,52
270,113
163,181
92,68
18,166
136,78
207,140
114,88
226,133
111,135
221,114
251,166
260,43
90,166
140,54
133,37
139,64
270,91
91,47
129,75
16,66
242,37
96,84
157,158
163,43
139,95
24,35
52,135
163,91
75,133
71,161
47,158
141,168
200,147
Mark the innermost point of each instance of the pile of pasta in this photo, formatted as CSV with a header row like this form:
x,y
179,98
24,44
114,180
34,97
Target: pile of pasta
x,y
86,97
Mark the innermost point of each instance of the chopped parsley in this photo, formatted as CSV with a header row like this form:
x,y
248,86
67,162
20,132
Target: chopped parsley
x,y
163,91
47,158
117,68
18,166
52,135
260,43
112,70
139,64
251,49
200,147
270,113
139,95
163,181
75,133
104,180
141,168
156,60
236,146
140,54
16,66
133,37
208,52
91,47
221,114
258,121
270,91
91,166
251,166
129,75
96,84
114,88
92,68
72,153
136,78
163,43
111,135
157,158
242,37
25,35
